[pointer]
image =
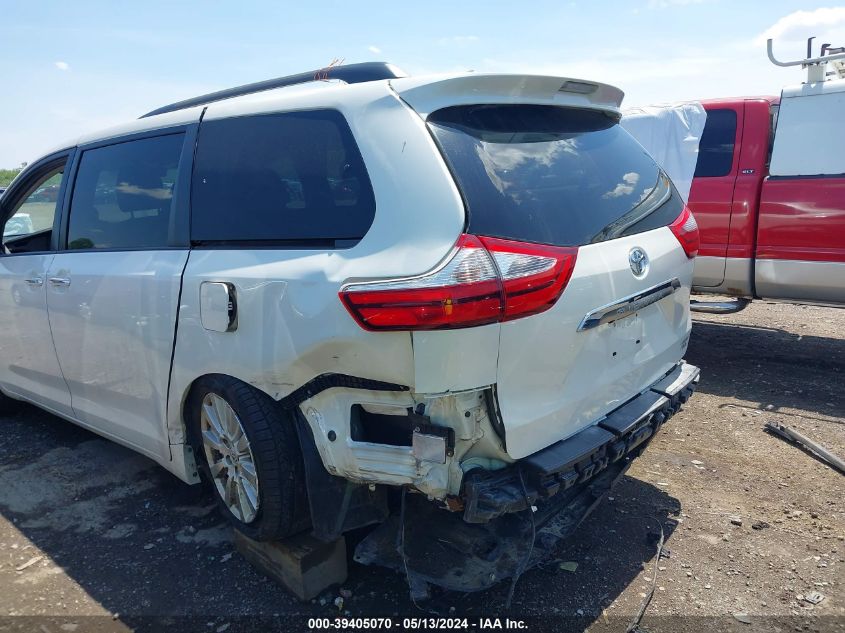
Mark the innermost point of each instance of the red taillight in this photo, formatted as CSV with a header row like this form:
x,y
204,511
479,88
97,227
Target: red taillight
x,y
485,281
533,275
685,229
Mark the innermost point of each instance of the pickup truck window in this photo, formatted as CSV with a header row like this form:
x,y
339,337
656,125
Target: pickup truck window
x,y
716,148
773,123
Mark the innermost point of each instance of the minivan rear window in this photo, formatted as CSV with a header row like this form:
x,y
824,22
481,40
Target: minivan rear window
x,y
552,175
294,177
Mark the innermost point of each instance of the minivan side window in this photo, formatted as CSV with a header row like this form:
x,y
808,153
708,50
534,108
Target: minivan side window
x,y
716,148
29,226
123,195
294,177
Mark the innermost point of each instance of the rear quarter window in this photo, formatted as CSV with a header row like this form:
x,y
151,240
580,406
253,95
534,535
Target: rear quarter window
x,y
552,175
295,177
716,148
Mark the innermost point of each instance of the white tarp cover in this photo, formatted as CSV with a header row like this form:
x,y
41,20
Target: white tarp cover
x,y
670,133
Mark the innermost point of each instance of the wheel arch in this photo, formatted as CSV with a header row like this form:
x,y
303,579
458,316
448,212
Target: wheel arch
x,y
274,451
183,462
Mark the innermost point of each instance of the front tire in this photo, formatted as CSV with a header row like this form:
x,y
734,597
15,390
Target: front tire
x,y
248,450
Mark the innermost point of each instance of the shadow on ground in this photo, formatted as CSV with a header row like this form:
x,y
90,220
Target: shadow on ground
x,y
769,367
115,527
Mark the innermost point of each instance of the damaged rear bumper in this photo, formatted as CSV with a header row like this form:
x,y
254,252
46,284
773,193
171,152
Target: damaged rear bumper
x,y
492,539
576,460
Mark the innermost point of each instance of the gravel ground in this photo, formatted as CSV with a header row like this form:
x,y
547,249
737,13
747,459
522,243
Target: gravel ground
x,y
753,525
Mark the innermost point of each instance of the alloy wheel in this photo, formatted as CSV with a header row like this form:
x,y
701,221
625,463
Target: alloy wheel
x,y
229,456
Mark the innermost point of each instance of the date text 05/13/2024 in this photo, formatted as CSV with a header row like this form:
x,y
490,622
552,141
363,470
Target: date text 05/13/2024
x,y
432,624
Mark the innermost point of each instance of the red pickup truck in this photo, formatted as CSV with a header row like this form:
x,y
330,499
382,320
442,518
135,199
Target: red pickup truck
x,y
768,189
769,196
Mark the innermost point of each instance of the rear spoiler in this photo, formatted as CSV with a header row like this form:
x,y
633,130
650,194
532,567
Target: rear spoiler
x,y
428,94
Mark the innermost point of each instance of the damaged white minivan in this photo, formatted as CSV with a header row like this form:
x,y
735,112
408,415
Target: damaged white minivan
x,y
322,292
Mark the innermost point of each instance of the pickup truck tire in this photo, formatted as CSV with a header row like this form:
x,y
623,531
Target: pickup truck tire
x,y
270,459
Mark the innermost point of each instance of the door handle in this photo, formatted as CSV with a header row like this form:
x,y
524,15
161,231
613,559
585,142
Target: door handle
x,y
60,281
35,281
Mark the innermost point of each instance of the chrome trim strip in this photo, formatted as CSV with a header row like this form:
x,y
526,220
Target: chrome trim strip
x,y
629,305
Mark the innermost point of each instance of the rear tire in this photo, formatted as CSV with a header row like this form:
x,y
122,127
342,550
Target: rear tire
x,y
247,448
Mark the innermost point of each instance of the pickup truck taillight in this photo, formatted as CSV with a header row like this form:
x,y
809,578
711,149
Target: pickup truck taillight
x,y
486,280
685,229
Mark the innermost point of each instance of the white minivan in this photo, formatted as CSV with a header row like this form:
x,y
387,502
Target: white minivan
x,y
319,290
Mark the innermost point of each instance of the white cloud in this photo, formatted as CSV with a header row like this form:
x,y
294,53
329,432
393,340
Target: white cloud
x,y
624,188
374,49
62,65
800,25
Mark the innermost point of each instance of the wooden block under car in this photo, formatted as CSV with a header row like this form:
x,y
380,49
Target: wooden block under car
x,y
302,564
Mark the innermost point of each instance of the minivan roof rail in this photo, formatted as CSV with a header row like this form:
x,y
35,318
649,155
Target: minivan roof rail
x,y
350,73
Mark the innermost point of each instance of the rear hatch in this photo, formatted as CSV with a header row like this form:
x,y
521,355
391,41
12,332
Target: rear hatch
x,y
567,175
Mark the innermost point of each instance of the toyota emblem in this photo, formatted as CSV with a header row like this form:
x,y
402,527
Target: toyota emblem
x,y
638,261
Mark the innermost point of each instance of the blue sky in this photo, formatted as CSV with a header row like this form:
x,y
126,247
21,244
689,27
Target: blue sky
x,y
72,67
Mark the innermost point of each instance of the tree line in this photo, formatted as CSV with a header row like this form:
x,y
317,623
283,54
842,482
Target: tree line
x,y
6,175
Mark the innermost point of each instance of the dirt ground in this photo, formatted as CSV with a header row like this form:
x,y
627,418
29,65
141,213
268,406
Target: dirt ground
x,y
753,525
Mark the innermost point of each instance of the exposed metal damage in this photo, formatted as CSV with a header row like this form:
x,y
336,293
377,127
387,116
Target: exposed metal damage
x,y
401,438
469,515
432,547
513,518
